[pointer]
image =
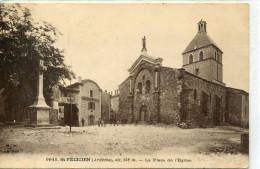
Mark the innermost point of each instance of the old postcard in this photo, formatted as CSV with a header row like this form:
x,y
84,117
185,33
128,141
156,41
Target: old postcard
x,y
99,85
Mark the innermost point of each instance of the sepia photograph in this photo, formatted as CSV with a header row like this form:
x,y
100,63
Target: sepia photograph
x,y
124,85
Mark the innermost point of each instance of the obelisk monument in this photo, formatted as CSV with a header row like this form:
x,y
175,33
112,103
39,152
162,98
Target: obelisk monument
x,y
39,112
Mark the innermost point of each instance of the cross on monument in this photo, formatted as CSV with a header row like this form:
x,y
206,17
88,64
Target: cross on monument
x,y
40,83
39,111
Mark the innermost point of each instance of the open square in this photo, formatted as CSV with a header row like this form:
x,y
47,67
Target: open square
x,y
205,146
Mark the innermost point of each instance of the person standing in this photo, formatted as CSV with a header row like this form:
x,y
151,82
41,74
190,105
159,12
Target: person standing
x,y
83,122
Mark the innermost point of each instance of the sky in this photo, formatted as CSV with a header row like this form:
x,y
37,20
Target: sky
x,y
102,41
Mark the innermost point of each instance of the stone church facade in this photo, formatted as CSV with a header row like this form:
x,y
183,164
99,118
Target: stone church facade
x,y
194,94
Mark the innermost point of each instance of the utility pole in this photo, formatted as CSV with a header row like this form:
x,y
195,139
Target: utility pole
x,y
70,98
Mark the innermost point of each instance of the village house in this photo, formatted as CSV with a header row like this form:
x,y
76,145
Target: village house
x,y
84,98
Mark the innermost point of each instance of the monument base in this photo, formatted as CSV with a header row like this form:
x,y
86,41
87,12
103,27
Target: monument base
x,y
39,115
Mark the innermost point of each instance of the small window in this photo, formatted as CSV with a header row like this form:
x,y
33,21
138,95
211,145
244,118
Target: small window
x,y
91,106
140,88
215,57
218,57
197,71
91,93
191,59
147,86
195,94
143,77
201,56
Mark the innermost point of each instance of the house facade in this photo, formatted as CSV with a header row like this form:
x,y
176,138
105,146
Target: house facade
x,y
84,99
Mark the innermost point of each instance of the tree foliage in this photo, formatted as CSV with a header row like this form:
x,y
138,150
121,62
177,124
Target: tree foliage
x,y
23,42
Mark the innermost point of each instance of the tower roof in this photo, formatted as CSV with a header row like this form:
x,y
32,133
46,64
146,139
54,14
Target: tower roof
x,y
202,39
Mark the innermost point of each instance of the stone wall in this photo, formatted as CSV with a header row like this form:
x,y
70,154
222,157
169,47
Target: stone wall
x,y
54,116
115,105
209,68
170,90
208,52
238,107
105,105
125,100
190,113
245,111
215,93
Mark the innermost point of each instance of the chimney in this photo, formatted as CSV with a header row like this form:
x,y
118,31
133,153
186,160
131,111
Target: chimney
x,y
79,79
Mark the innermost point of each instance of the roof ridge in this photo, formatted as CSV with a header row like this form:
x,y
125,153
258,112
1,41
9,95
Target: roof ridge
x,y
200,40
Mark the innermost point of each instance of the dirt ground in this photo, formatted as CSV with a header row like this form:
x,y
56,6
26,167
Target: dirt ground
x,y
210,147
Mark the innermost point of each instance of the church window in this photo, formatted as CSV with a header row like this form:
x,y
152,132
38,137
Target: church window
x,y
139,87
191,59
147,86
215,57
195,94
143,77
197,71
91,93
156,79
218,57
201,56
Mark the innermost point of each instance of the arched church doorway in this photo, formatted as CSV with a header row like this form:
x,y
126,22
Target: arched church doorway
x,y
143,114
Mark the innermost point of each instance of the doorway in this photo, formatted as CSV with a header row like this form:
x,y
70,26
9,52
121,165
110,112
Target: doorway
x,y
142,114
91,120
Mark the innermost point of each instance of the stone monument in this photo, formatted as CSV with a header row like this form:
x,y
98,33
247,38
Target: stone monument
x,y
39,112
144,50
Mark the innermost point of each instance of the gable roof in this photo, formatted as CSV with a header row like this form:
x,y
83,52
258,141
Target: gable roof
x,y
202,39
85,81
147,58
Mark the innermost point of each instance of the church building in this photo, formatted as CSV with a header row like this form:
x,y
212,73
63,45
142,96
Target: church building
x,y
194,94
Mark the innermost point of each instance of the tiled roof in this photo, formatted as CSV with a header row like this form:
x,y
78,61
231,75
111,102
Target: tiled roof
x,y
202,39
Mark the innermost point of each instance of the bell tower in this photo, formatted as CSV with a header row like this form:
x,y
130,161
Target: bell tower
x,y
203,57
202,26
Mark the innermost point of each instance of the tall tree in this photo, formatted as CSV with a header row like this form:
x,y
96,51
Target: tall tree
x,y
23,42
